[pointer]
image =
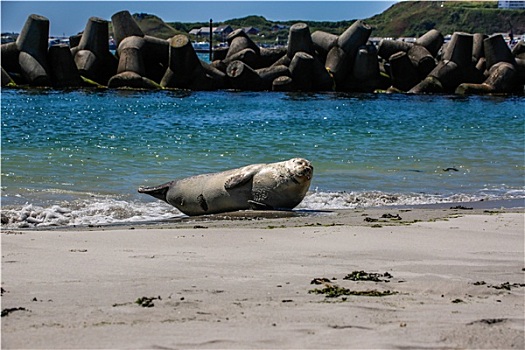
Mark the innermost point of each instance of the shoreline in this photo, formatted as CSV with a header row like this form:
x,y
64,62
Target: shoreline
x,y
394,215
366,217
456,281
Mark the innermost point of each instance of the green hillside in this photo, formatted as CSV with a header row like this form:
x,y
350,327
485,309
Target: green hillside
x,y
152,25
406,18
414,18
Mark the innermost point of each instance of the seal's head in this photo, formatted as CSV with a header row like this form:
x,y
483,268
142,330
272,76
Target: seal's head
x,y
301,169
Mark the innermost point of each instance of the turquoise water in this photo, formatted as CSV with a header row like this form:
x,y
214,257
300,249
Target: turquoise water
x,y
82,154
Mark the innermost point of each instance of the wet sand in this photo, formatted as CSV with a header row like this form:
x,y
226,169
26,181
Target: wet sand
x,y
447,278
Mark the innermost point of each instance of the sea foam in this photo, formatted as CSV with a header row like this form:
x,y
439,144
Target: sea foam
x,y
86,213
108,211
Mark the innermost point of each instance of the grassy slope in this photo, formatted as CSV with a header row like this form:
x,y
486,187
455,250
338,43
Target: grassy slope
x,y
406,18
414,18
152,25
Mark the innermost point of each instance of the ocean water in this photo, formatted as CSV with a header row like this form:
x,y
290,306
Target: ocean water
x,y
77,157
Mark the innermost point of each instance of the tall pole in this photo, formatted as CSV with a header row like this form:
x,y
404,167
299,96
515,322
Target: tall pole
x,y
211,39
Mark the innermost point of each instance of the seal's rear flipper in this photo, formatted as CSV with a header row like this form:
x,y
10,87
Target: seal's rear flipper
x,y
157,191
259,206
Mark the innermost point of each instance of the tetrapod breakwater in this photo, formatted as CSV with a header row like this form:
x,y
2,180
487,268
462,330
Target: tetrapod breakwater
x,y
311,62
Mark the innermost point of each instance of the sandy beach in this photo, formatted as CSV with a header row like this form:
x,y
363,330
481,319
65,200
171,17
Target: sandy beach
x,y
442,278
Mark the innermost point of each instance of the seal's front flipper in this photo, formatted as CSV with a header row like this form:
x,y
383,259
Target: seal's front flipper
x,y
259,206
157,191
238,180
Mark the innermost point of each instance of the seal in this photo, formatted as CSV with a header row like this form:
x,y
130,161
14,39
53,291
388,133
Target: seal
x,y
272,186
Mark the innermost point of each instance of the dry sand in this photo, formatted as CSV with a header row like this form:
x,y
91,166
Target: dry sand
x,y
243,281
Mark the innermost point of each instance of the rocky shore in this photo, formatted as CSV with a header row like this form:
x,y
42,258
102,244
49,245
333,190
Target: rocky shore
x,y
311,62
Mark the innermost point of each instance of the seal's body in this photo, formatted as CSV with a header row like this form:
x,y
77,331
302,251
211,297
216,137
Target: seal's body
x,y
281,185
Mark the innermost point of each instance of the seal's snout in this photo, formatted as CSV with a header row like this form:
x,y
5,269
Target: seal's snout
x,y
308,172
304,168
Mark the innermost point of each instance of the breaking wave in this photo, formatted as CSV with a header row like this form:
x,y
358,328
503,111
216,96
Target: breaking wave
x,y
108,211
86,213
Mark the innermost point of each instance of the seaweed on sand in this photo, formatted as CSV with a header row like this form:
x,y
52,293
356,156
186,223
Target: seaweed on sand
x,y
147,301
7,311
367,276
335,291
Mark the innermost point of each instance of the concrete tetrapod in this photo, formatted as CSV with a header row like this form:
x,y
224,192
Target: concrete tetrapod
x,y
341,57
131,70
502,79
311,62
299,40
32,46
323,42
243,77
64,72
187,71
92,56
154,52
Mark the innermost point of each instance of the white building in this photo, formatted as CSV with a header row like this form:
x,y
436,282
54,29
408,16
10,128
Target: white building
x,y
511,4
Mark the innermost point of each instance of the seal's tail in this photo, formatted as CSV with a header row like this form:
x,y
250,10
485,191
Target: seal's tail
x,y
157,191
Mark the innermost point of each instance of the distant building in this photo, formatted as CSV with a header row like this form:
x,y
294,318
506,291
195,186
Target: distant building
x,y
195,31
205,31
407,39
224,30
511,4
9,37
251,30
277,27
